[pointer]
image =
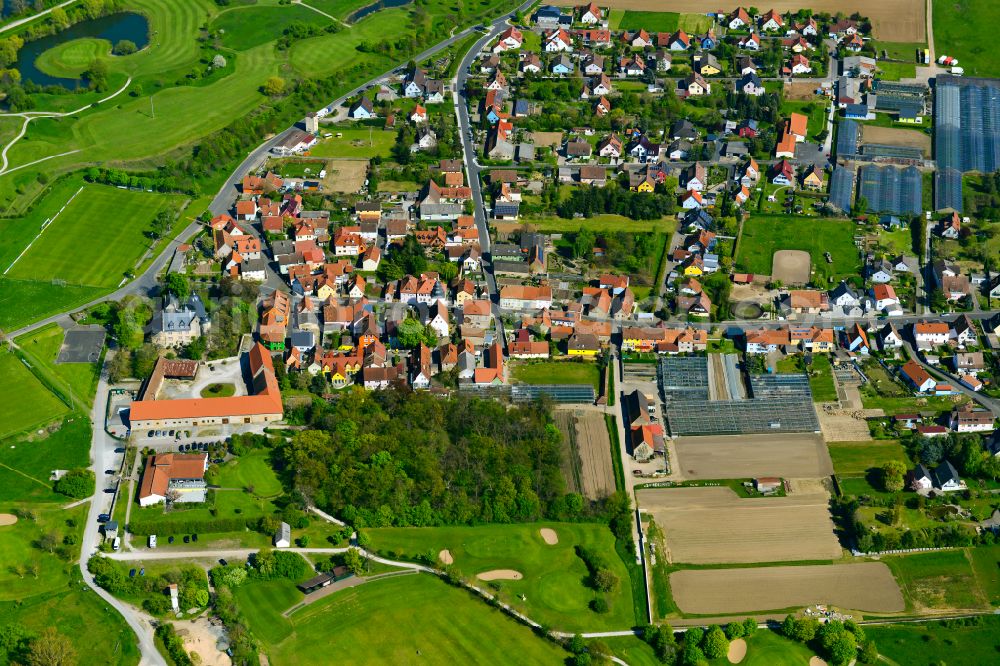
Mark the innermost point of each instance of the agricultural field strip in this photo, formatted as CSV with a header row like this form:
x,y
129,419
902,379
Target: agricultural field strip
x,y
713,525
743,456
865,586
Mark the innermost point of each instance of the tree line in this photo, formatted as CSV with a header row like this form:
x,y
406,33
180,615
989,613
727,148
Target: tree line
x,y
590,201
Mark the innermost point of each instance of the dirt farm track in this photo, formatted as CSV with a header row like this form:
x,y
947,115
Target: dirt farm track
x,y
892,20
714,525
733,457
866,586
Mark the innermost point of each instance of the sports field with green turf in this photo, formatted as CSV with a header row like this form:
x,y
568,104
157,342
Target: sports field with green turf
x,y
415,618
98,236
265,601
553,585
25,403
71,58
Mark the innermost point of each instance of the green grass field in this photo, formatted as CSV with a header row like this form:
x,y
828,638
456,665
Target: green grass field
x,y
894,71
853,458
25,403
417,618
942,580
557,372
763,235
934,643
553,582
964,29
70,59
765,648
599,223
27,462
816,111
264,602
359,142
251,470
16,547
339,8
648,21
245,27
43,345
986,565
99,236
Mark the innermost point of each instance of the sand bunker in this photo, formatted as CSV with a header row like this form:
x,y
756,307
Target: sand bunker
x,y
501,574
737,650
445,557
7,519
549,536
816,661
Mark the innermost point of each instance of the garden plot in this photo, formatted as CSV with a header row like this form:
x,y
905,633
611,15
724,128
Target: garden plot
x,y
713,525
867,586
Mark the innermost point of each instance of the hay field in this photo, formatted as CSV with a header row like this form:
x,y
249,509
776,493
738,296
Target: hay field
x,y
713,525
868,586
345,176
740,456
892,20
894,136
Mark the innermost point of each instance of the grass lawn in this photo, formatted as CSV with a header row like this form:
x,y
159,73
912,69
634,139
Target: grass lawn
x,y
964,29
557,372
986,565
410,615
554,576
649,21
821,379
43,345
95,240
263,603
71,58
339,8
26,463
854,458
98,633
25,301
766,648
894,71
252,469
600,223
246,27
25,403
763,235
218,391
938,642
942,580
901,405
355,143
631,649
16,548
816,111
905,51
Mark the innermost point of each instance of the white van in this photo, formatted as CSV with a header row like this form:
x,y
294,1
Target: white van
x,y
152,541
116,544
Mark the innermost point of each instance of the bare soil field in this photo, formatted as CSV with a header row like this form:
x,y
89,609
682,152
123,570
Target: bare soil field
x,y
596,475
570,464
800,91
847,425
894,136
892,20
345,176
787,455
713,525
791,266
547,138
868,586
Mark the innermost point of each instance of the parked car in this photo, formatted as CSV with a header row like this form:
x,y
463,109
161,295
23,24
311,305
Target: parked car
x,y
187,539
120,449
223,562
110,472
170,539
103,518
109,490
131,573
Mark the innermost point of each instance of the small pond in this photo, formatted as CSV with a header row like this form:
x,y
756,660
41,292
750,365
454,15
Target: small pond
x,y
374,7
114,28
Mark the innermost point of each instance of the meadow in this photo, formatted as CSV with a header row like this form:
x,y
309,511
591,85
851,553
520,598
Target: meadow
x,y
964,29
263,602
359,143
553,586
763,235
415,617
557,372
27,462
244,27
857,458
975,642
25,403
43,346
940,581
250,471
599,223
17,548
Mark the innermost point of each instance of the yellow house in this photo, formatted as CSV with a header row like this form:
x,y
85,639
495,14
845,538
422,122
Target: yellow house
x,y
325,291
813,179
646,185
462,296
583,345
709,69
695,267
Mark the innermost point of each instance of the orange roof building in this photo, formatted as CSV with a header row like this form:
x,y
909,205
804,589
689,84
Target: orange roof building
x,y
263,406
178,476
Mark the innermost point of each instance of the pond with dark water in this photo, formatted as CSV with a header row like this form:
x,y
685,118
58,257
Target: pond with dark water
x,y
114,28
